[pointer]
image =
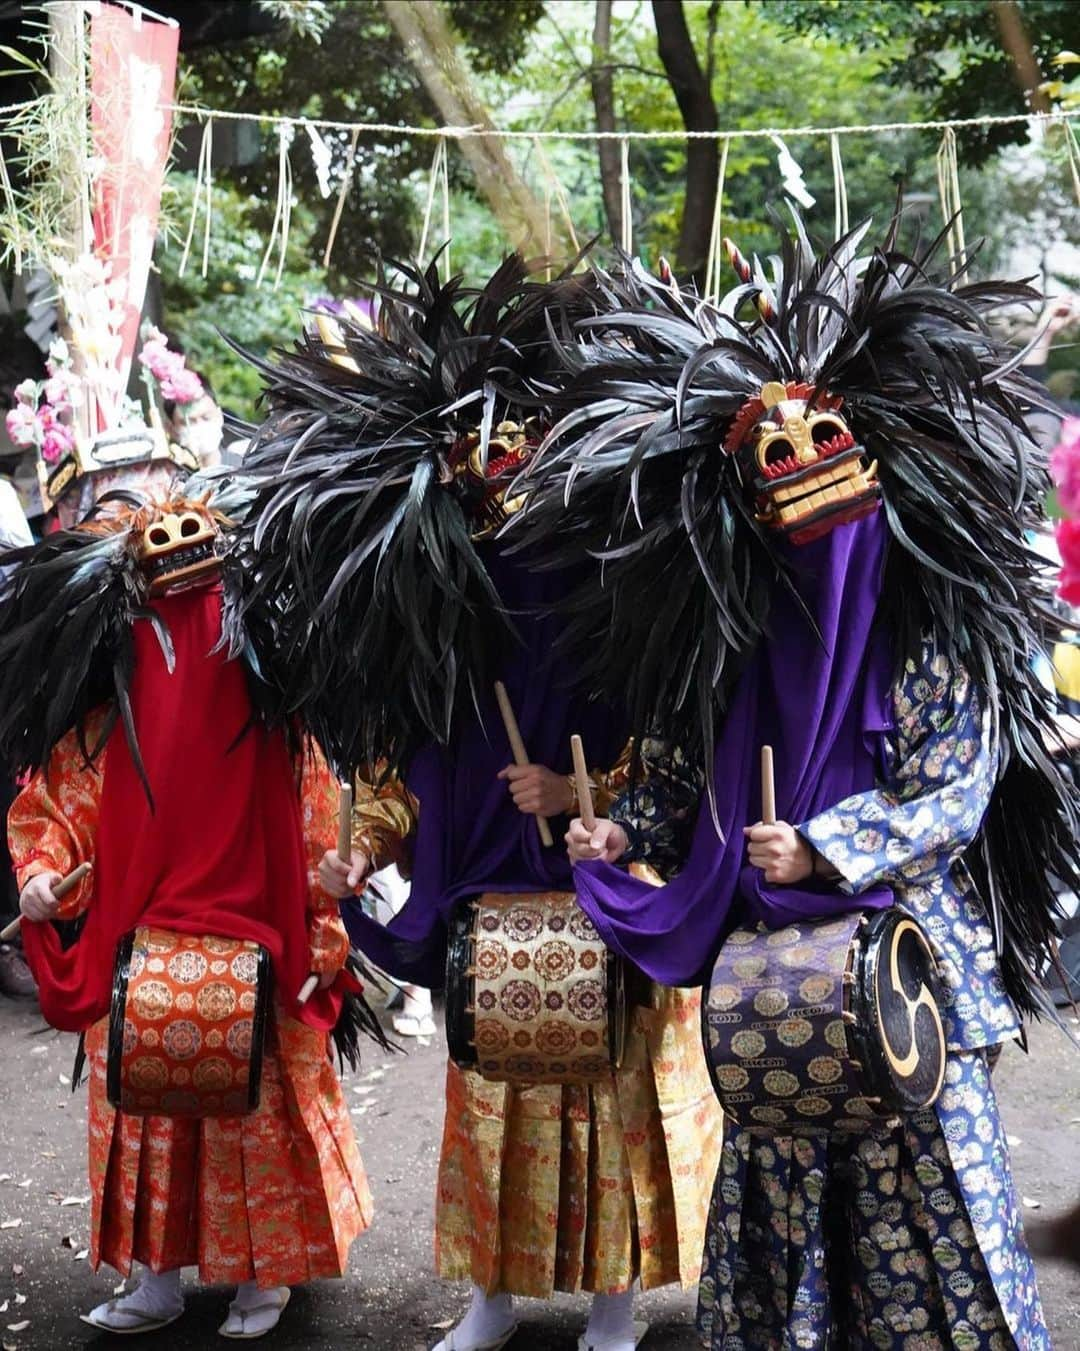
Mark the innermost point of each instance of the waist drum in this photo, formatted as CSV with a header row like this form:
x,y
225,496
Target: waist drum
x,y
532,993
187,1024
828,1025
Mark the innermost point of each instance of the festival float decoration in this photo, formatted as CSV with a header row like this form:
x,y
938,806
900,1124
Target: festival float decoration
x,y
92,154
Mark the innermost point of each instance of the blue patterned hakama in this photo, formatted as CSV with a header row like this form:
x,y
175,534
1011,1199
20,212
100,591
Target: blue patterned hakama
x,y
907,1238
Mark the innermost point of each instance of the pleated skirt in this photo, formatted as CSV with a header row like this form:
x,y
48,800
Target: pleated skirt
x,y
277,1196
584,1187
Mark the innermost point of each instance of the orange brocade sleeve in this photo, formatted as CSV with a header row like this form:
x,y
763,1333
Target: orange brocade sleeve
x,y
53,823
319,804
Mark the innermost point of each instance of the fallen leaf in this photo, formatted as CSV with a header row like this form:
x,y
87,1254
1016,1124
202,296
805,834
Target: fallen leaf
x,y
19,1327
375,1074
16,1270
24,1183
66,1242
1031,1203
5,1177
10,1224
64,1079
9,1346
20,1299
82,1253
75,1200
48,1153
1013,1140
120,1289
4,1306
40,1050
363,1089
441,1326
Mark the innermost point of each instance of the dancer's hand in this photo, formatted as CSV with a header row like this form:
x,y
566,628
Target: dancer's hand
x,y
339,878
537,790
780,852
37,901
607,840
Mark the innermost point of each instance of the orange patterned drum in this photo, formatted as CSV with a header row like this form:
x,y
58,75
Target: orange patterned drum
x,y
186,1025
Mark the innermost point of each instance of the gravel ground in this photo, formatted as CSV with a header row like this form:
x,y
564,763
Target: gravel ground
x,y
389,1300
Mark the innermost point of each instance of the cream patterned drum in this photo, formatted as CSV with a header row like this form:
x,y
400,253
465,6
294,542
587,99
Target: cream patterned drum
x,y
186,1025
831,1025
532,993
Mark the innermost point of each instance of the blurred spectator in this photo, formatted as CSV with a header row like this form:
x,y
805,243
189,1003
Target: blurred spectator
x,y
198,426
1064,312
385,894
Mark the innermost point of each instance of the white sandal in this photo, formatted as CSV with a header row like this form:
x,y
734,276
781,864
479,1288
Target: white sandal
x,y
406,1025
450,1341
274,1302
141,1322
640,1329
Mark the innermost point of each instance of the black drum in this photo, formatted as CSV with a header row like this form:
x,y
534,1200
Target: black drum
x,y
831,1025
532,994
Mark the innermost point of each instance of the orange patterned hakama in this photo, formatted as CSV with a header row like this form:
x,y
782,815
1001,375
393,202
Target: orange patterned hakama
x,y
584,1187
276,1196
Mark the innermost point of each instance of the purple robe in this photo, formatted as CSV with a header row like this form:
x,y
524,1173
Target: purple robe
x,y
823,704
470,837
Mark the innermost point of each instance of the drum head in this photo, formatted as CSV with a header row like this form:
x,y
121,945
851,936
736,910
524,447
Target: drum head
x,y
896,999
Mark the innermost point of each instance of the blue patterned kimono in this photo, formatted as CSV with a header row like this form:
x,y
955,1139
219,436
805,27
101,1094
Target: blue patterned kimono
x,y
909,1238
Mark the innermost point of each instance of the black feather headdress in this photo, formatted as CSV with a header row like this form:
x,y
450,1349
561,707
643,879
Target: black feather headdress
x,y
637,472
67,608
382,461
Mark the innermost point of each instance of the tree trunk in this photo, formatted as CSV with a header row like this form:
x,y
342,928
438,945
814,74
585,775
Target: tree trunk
x,y
433,50
603,95
1015,40
694,97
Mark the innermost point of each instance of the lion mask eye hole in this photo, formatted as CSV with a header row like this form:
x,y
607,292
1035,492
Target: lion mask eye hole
x,y
189,526
159,536
823,429
779,450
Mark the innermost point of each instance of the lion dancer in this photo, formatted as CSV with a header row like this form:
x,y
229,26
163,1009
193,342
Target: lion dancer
x,y
849,480
417,432
199,819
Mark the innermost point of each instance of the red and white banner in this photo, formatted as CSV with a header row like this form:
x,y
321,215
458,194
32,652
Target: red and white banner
x,y
132,79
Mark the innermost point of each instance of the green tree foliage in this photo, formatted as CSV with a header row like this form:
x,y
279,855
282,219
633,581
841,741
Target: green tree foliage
x,y
349,69
949,51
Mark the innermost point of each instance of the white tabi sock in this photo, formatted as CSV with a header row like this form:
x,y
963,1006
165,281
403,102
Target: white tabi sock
x,y
611,1322
157,1297
489,1318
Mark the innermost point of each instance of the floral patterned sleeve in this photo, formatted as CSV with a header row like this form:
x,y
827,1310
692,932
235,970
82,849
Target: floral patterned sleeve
x,y
319,805
384,818
53,823
938,791
658,809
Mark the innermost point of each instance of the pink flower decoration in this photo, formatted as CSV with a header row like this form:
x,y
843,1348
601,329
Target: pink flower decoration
x,y
21,423
1068,540
182,386
26,391
56,443
1065,466
58,392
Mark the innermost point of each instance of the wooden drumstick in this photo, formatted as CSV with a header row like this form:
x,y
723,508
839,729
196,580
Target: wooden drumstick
x,y
307,989
521,756
581,782
344,829
59,891
768,788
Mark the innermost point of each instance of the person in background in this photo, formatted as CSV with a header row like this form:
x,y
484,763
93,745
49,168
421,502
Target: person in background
x,y
15,978
198,426
386,892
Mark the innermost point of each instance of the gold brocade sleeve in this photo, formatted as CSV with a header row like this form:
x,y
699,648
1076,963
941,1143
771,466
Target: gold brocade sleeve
x,y
384,819
53,823
327,938
607,785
